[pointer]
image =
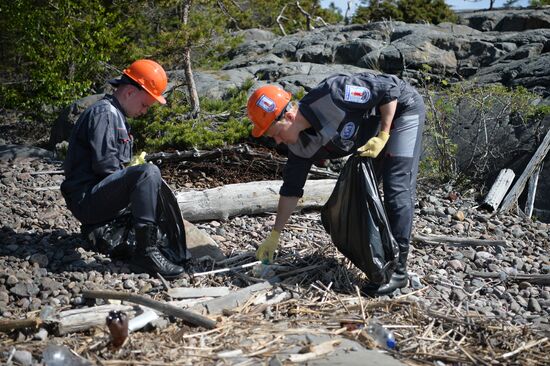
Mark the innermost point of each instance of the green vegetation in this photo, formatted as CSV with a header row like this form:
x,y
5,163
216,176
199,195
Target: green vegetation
x,y
486,108
410,11
56,51
222,122
539,3
53,51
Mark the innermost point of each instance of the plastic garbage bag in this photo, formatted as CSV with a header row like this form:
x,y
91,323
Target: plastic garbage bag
x,y
116,238
356,220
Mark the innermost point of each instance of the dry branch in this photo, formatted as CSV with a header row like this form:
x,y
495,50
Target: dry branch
x,y
9,325
542,279
458,242
243,151
186,315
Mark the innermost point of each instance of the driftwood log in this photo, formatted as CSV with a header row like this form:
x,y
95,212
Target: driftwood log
x,y
247,199
78,320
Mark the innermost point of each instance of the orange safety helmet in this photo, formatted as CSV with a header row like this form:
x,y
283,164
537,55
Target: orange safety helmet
x,y
265,105
150,76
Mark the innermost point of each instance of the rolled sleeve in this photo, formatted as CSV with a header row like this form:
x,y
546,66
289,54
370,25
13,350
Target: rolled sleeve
x,y
294,176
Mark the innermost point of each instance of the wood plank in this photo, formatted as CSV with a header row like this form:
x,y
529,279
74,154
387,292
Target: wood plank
x,y
535,161
231,301
498,189
532,191
192,292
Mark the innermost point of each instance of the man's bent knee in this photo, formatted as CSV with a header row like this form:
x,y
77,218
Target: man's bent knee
x,y
147,171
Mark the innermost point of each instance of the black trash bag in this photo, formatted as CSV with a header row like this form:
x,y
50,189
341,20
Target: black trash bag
x,y
171,227
356,220
116,238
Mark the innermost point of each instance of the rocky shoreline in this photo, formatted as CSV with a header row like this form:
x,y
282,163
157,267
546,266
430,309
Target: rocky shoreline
x,y
44,262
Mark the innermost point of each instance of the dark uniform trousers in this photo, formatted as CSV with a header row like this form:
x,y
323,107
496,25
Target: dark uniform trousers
x,y
137,187
397,165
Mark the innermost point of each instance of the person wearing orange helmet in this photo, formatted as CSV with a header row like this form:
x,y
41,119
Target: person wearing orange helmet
x,y
99,184
378,116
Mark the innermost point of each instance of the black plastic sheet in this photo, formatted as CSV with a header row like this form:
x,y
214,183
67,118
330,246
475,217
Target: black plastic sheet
x,y
356,220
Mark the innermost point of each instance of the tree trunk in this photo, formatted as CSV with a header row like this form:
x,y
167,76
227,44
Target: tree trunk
x,y
191,87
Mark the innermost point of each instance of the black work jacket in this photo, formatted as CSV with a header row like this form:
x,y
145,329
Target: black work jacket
x,y
100,144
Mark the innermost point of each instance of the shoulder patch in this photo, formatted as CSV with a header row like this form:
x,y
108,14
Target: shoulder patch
x,y
266,103
356,94
347,131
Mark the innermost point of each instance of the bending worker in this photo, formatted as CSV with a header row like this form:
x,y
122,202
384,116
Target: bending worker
x,y
378,116
98,184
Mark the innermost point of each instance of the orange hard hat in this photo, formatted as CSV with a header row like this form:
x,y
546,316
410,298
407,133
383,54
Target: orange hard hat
x,y
150,76
265,105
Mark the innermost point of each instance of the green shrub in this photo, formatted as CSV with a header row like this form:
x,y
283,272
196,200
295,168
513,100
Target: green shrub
x,y
485,108
54,51
222,122
410,11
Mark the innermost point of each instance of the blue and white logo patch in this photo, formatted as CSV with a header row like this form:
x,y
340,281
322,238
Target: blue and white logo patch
x,y
347,131
356,94
266,103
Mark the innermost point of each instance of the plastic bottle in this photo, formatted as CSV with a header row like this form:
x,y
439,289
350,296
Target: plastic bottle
x,y
55,355
382,336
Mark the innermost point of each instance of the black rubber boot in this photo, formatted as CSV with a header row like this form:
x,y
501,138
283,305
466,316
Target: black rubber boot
x,y
399,278
148,255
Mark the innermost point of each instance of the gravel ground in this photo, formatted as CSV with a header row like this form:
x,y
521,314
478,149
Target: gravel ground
x,y
44,262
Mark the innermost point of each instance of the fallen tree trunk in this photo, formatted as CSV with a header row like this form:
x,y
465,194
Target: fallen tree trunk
x,y
247,199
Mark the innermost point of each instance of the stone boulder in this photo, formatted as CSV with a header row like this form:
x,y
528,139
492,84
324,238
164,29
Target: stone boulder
x,y
507,20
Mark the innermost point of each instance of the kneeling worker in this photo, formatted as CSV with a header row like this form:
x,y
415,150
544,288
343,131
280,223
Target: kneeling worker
x,y
98,184
339,117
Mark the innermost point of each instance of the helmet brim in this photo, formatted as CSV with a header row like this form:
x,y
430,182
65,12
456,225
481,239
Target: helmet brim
x,y
258,131
124,79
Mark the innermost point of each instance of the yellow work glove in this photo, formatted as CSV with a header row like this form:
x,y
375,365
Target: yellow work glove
x,y
373,147
138,159
266,250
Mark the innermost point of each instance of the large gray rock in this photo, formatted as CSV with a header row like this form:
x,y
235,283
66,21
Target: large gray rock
x,y
507,20
508,47
62,126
